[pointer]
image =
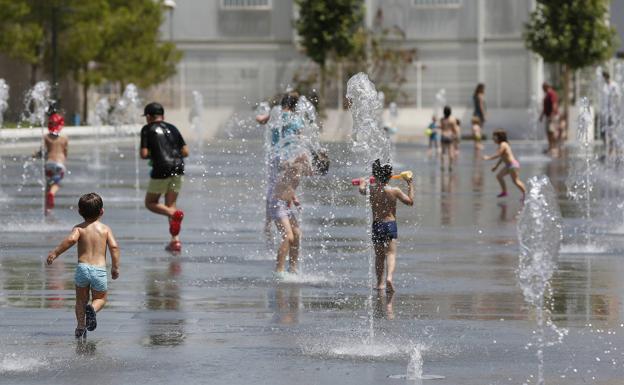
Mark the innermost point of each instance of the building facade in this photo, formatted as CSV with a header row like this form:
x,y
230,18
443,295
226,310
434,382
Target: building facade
x,y
242,51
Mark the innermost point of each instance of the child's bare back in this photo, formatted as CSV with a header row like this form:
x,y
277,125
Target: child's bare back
x,y
383,202
93,239
56,148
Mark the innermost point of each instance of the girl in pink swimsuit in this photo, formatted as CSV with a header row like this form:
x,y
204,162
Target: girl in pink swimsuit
x,y
512,166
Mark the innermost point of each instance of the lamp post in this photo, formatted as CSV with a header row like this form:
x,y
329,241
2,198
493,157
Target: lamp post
x,y
170,7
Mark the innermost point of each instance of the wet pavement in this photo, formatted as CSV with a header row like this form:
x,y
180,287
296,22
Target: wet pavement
x,y
214,314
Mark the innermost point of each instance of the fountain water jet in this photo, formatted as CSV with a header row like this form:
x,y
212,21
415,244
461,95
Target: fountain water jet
x,y
369,143
415,367
4,105
127,112
99,119
539,237
580,178
196,118
36,105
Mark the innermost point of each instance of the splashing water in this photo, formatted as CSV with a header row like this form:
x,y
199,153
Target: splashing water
x,y
4,100
440,101
580,179
127,112
98,119
415,367
4,104
196,118
539,237
369,140
533,113
36,104
369,143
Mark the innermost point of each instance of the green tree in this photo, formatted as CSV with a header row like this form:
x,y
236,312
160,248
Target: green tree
x,y
381,53
22,35
134,52
326,29
571,33
98,40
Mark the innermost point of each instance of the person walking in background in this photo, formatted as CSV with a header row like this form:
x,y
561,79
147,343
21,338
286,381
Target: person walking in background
x,y
550,111
164,146
478,100
609,103
448,131
432,133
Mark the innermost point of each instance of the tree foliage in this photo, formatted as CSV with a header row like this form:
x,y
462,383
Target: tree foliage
x,y
571,32
98,40
381,53
326,27
22,35
133,51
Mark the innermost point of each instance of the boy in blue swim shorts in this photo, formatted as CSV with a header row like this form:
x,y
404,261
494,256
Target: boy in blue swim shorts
x,y
93,238
383,200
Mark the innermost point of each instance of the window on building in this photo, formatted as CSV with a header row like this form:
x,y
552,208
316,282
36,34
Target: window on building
x,y
437,3
246,4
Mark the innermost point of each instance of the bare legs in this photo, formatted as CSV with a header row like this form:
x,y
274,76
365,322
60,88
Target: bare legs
x,y
291,235
152,203
385,253
515,178
449,150
82,299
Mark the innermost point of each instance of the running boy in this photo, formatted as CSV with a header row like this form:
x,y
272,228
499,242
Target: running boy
x,y
512,166
55,153
283,199
92,237
384,232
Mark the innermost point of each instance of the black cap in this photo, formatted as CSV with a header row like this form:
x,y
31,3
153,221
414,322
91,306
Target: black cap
x,y
154,109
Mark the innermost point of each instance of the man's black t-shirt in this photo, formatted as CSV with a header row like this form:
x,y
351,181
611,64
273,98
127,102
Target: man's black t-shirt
x,y
164,142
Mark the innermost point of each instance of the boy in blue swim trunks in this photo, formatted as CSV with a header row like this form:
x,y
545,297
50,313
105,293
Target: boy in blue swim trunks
x,y
383,200
93,238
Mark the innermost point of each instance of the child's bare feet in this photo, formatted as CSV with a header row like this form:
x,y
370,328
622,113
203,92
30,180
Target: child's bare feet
x,y
390,287
381,286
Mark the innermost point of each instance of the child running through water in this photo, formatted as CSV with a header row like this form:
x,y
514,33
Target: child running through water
x,y
93,238
383,200
283,199
55,153
512,166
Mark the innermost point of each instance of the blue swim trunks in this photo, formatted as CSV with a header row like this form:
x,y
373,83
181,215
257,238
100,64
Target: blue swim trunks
x,y
89,275
383,232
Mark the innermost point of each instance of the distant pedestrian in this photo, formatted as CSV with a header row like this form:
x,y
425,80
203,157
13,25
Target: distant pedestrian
x,y
609,105
478,101
550,111
432,133
164,146
449,129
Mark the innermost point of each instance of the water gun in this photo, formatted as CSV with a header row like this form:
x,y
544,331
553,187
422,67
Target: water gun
x,y
404,175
